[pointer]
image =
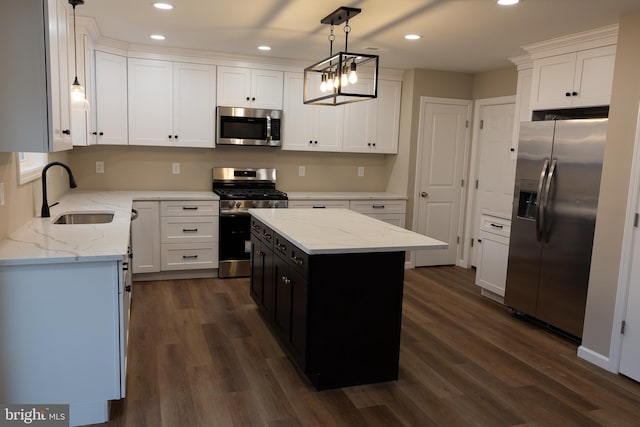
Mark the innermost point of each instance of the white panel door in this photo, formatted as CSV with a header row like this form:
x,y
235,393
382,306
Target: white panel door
x,y
630,354
150,102
234,87
360,117
194,97
442,139
266,89
594,76
552,79
496,170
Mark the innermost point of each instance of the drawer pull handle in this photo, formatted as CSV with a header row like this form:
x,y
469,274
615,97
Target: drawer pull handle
x,y
497,226
189,256
189,230
189,208
267,236
378,206
296,260
319,207
255,227
286,280
127,288
281,247
259,253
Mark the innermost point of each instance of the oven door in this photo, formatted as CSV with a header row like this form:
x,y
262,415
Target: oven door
x,y
235,245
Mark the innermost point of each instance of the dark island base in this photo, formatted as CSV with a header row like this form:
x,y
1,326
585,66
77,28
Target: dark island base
x,y
338,317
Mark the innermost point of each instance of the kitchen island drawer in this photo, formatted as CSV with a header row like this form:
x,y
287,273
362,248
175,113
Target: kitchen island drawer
x,y
378,206
189,208
189,229
181,256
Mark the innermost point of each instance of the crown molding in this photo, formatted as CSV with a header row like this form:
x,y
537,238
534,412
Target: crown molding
x,y
598,37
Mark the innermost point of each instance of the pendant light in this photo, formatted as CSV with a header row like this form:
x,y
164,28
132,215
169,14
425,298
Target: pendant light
x,y
78,99
332,81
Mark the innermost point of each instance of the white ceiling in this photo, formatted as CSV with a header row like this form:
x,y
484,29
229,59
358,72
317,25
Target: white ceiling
x,y
458,35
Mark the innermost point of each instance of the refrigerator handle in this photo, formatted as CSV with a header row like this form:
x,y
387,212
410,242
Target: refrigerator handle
x,y
540,201
547,189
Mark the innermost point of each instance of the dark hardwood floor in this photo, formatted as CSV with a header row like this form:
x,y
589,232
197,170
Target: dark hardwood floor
x,y
200,355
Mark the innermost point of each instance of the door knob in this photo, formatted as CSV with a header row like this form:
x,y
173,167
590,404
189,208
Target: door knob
x,y
424,194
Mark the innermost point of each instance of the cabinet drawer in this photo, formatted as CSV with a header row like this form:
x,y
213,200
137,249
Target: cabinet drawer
x,y
495,225
319,204
378,206
389,218
176,229
189,208
290,253
187,256
264,233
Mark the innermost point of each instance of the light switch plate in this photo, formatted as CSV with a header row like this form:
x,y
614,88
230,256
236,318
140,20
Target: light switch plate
x,y
301,171
175,168
360,170
1,193
99,166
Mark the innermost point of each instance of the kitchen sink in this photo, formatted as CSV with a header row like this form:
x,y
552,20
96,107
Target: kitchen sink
x,y
85,218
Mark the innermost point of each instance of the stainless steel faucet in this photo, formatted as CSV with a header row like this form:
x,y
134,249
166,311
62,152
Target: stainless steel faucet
x,y
44,212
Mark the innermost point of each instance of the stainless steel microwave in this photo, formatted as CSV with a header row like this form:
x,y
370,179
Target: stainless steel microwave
x,y
248,126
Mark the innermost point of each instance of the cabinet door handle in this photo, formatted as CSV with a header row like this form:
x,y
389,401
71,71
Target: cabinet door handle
x,y
94,133
286,280
248,98
127,288
574,93
281,247
175,136
189,230
259,253
189,256
500,226
424,194
67,131
296,260
101,133
170,136
567,94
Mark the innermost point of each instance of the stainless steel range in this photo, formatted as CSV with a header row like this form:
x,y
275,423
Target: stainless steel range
x,y
240,190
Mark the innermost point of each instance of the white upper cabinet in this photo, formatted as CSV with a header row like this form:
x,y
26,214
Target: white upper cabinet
x,y
110,125
35,86
171,104
578,79
249,88
373,126
309,127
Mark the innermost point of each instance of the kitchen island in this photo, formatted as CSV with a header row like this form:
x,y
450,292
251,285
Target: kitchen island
x,y
329,283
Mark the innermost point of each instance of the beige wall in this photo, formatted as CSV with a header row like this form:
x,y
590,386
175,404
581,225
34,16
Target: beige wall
x,y
23,202
149,168
491,84
614,186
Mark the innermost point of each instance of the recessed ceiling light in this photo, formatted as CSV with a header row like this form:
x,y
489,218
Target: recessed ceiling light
x,y
163,6
508,2
413,37
157,36
265,48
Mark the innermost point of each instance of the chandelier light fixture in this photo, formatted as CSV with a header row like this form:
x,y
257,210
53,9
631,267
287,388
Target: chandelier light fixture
x,y
78,99
334,80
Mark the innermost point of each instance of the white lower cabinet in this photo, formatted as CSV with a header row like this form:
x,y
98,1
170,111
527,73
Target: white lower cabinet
x,y
491,271
70,346
175,235
390,211
189,234
145,237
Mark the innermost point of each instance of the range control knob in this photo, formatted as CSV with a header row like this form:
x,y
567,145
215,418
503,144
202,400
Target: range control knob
x,y
238,204
276,204
254,204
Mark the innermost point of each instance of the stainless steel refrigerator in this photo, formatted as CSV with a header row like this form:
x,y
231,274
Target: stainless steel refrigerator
x,y
554,212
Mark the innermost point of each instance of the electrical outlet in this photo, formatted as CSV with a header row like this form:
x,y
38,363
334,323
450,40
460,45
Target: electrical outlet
x,y
1,193
99,166
301,171
175,168
360,170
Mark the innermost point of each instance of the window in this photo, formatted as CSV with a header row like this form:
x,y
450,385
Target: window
x,y
30,166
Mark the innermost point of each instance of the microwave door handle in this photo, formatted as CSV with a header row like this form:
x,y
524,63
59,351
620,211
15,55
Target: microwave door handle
x,y
268,129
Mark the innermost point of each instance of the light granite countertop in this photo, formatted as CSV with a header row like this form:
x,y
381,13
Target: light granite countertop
x,y
41,242
343,195
341,231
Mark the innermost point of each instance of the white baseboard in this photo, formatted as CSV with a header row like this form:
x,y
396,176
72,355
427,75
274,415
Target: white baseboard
x,y
595,358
